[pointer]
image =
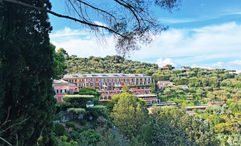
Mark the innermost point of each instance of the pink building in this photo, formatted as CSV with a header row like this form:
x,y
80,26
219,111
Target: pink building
x,y
62,88
163,84
111,84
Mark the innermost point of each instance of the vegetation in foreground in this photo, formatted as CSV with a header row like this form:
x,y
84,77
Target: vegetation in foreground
x,y
125,121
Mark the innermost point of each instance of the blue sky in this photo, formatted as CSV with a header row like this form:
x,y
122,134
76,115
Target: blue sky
x,y
202,33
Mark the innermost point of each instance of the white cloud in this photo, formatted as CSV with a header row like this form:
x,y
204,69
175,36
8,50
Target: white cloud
x,y
67,32
204,45
83,43
200,18
195,45
230,65
162,62
236,62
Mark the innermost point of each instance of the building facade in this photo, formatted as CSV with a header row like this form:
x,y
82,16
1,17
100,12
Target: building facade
x,y
62,88
111,84
162,84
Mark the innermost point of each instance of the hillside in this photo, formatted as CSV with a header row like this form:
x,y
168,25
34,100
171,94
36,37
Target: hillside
x,y
108,64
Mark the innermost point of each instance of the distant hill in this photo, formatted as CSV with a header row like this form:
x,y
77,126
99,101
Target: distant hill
x,y
108,64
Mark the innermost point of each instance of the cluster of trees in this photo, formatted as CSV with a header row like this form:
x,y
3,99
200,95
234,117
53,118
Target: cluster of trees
x,y
202,83
130,123
225,121
108,64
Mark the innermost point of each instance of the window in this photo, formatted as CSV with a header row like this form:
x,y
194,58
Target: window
x,y
55,90
88,84
99,88
93,80
107,80
63,90
111,80
93,84
99,84
99,80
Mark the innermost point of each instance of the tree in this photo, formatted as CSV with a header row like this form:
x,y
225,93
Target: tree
x,y
130,21
170,67
189,130
129,114
27,105
90,91
59,63
63,52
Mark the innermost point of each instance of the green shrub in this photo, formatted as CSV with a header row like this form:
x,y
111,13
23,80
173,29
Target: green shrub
x,y
76,110
90,136
69,125
59,129
63,138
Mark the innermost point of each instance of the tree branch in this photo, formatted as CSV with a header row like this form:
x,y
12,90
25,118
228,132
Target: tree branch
x,y
63,16
126,5
5,141
14,125
6,120
98,9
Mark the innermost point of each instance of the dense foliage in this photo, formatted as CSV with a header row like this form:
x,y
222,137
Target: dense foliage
x,y
108,64
129,114
90,91
225,121
199,84
59,62
26,74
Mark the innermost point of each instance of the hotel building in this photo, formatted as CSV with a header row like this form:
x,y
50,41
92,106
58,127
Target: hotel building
x,y
111,84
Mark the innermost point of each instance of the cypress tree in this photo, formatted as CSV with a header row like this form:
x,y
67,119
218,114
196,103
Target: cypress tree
x,y
27,105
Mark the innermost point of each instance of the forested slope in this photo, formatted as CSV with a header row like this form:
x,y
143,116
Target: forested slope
x,y
108,64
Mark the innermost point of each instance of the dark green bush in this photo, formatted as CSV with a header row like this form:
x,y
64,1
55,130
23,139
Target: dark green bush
x,y
69,125
59,129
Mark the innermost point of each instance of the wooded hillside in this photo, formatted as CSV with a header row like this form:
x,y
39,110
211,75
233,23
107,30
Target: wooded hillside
x,y
108,64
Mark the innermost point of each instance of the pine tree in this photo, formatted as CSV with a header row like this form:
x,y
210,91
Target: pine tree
x,y
27,105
